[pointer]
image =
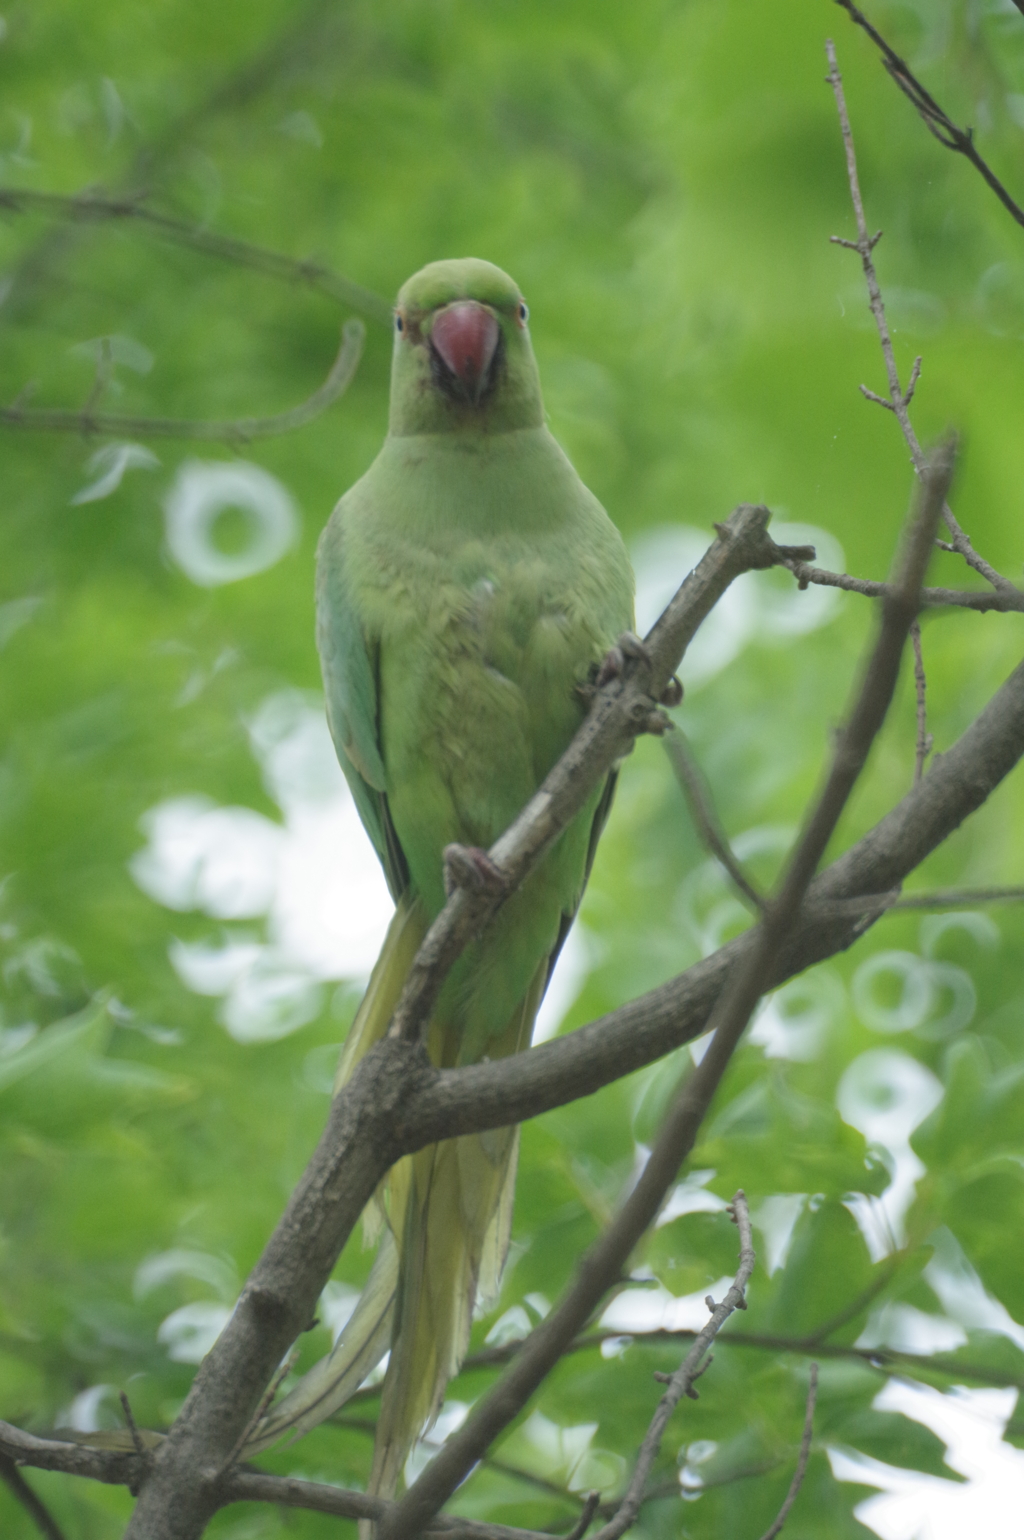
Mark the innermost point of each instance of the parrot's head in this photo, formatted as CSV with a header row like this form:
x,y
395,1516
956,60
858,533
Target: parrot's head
x,y
462,357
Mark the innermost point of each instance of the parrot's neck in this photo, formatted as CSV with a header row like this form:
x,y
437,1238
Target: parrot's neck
x,y
475,482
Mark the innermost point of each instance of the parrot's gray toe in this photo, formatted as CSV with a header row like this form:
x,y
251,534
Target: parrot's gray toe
x,y
467,866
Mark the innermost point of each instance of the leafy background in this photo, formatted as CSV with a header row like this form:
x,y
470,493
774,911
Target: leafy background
x,y
662,179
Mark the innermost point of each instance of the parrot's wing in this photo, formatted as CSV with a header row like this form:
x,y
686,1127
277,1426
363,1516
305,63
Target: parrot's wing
x,y
601,812
350,682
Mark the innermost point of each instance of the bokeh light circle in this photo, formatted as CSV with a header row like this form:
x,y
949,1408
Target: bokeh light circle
x,y
202,490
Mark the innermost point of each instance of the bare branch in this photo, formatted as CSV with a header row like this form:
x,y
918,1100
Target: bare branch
x,y
33,1505
96,207
884,1359
243,1484
681,1383
132,1426
1006,599
925,740
899,399
703,812
938,123
606,1259
915,375
87,421
582,1524
947,898
865,245
801,1464
312,30
368,1426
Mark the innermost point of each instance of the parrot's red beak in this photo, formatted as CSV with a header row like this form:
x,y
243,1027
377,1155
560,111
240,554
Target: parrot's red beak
x,y
465,337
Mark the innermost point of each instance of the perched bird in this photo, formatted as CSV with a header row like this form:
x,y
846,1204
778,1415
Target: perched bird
x,y
467,588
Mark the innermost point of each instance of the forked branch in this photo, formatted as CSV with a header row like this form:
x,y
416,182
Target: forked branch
x,y
899,400
936,120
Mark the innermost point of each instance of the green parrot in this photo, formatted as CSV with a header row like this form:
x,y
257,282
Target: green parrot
x,y
468,586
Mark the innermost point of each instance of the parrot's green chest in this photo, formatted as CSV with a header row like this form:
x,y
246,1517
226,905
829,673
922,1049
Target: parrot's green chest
x,y
479,664
485,581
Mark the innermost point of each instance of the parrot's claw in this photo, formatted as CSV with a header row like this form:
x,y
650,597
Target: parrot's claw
x,y
628,646
672,694
467,866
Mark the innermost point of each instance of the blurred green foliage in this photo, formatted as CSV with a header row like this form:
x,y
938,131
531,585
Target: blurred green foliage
x,y
662,179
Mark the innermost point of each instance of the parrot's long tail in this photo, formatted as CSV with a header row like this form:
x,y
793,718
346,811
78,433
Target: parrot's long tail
x,y
451,1211
445,1221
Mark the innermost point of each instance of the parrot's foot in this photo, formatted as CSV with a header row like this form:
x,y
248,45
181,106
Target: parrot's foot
x,y
467,866
628,646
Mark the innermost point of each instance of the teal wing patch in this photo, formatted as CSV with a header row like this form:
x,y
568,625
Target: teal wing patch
x,y
350,684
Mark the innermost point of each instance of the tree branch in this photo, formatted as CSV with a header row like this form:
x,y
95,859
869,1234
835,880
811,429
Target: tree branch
x,y
704,814
882,1358
898,399
33,1505
802,1458
313,27
87,421
938,122
607,1257
97,208
681,1383
923,746
1006,599
244,1484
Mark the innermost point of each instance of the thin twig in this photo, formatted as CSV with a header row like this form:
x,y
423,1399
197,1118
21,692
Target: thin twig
x,y
590,1507
243,1484
940,898
703,812
283,1370
958,898
96,207
33,1505
87,422
120,1467
801,1464
606,1259
856,1306
938,122
899,399
864,246
104,371
925,740
1004,600
530,1478
132,1426
681,1382
882,1358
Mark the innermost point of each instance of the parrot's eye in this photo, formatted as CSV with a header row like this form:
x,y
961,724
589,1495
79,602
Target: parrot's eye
x,y
399,324
523,312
